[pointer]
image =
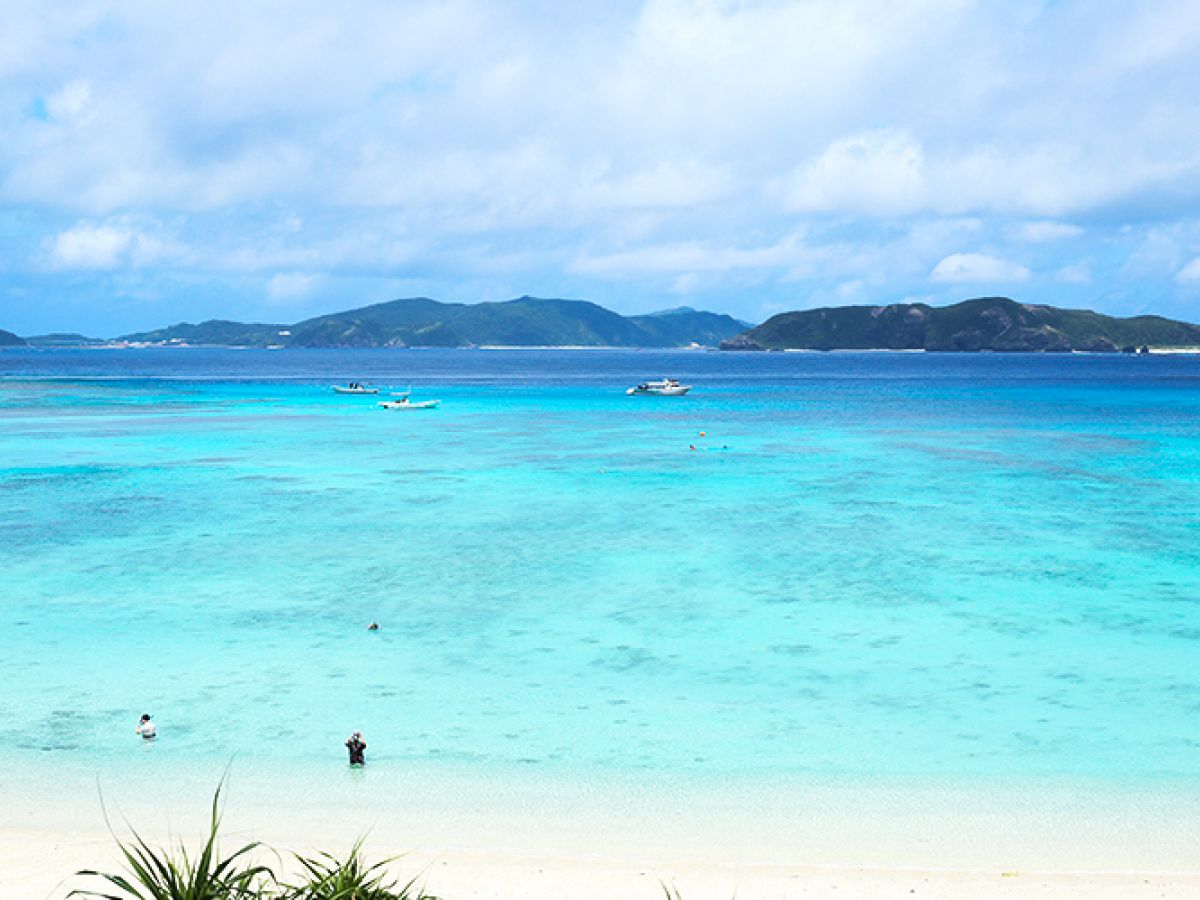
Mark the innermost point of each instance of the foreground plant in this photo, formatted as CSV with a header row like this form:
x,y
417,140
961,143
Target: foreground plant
x,y
330,878
158,874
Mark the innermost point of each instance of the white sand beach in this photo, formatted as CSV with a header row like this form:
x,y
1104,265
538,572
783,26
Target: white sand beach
x,y
556,838
35,864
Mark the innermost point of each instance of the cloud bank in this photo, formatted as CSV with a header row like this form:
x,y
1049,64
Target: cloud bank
x,y
163,162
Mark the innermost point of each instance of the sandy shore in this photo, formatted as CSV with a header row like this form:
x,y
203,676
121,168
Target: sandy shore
x,y
36,865
512,836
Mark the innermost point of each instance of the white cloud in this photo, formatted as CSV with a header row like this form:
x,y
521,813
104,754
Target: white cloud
x,y
670,103
1075,273
691,257
643,146
849,290
292,285
349,250
110,245
1157,251
88,246
687,283
1044,231
685,184
973,268
149,249
1190,274
877,173
1152,34
69,102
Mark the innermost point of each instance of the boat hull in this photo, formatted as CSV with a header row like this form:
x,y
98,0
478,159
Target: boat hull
x,y
399,404
659,392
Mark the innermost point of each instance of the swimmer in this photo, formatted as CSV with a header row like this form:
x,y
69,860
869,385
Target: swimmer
x,y
374,626
357,746
146,728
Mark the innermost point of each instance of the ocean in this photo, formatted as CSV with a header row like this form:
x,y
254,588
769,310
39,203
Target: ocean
x,y
879,568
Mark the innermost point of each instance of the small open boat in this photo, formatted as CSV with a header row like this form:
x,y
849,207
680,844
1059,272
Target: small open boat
x,y
409,404
405,403
353,388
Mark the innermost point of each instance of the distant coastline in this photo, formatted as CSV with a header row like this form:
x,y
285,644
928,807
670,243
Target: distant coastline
x,y
997,324
422,322
985,324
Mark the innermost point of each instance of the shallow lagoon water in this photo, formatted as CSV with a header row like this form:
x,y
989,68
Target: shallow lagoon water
x,y
872,566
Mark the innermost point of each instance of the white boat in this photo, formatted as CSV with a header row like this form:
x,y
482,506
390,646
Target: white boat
x,y
405,403
353,388
668,387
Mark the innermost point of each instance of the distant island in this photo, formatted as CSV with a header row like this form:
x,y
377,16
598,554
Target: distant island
x,y
984,324
421,322
987,323
63,340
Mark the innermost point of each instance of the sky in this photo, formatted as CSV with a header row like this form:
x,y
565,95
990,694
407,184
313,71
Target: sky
x,y
268,161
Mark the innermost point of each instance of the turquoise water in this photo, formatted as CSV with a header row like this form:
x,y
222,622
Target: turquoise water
x,y
870,565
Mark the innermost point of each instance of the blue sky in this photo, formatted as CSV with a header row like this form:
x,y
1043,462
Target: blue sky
x,y
267,161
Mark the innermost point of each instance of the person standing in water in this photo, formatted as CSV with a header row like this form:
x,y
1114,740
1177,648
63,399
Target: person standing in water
x,y
357,747
146,728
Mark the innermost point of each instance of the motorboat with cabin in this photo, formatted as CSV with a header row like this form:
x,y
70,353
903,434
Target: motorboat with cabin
x,y
668,387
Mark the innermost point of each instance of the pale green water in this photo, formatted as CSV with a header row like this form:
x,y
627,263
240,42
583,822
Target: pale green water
x,y
872,566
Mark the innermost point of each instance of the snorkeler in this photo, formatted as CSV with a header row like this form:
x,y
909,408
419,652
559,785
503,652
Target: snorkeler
x,y
146,728
357,747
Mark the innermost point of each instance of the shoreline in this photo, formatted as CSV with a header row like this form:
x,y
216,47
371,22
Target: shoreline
x,y
40,866
497,834
702,348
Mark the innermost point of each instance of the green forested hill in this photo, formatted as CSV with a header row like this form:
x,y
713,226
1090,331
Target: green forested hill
x,y
62,340
421,322
214,332
987,323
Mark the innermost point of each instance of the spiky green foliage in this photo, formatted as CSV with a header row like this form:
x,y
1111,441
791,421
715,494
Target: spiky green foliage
x,y
158,874
330,878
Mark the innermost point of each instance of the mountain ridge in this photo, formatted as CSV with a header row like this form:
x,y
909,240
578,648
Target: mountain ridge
x,y
423,322
983,323
60,339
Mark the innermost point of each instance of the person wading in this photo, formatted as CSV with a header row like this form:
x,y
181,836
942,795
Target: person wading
x,y
146,728
357,747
